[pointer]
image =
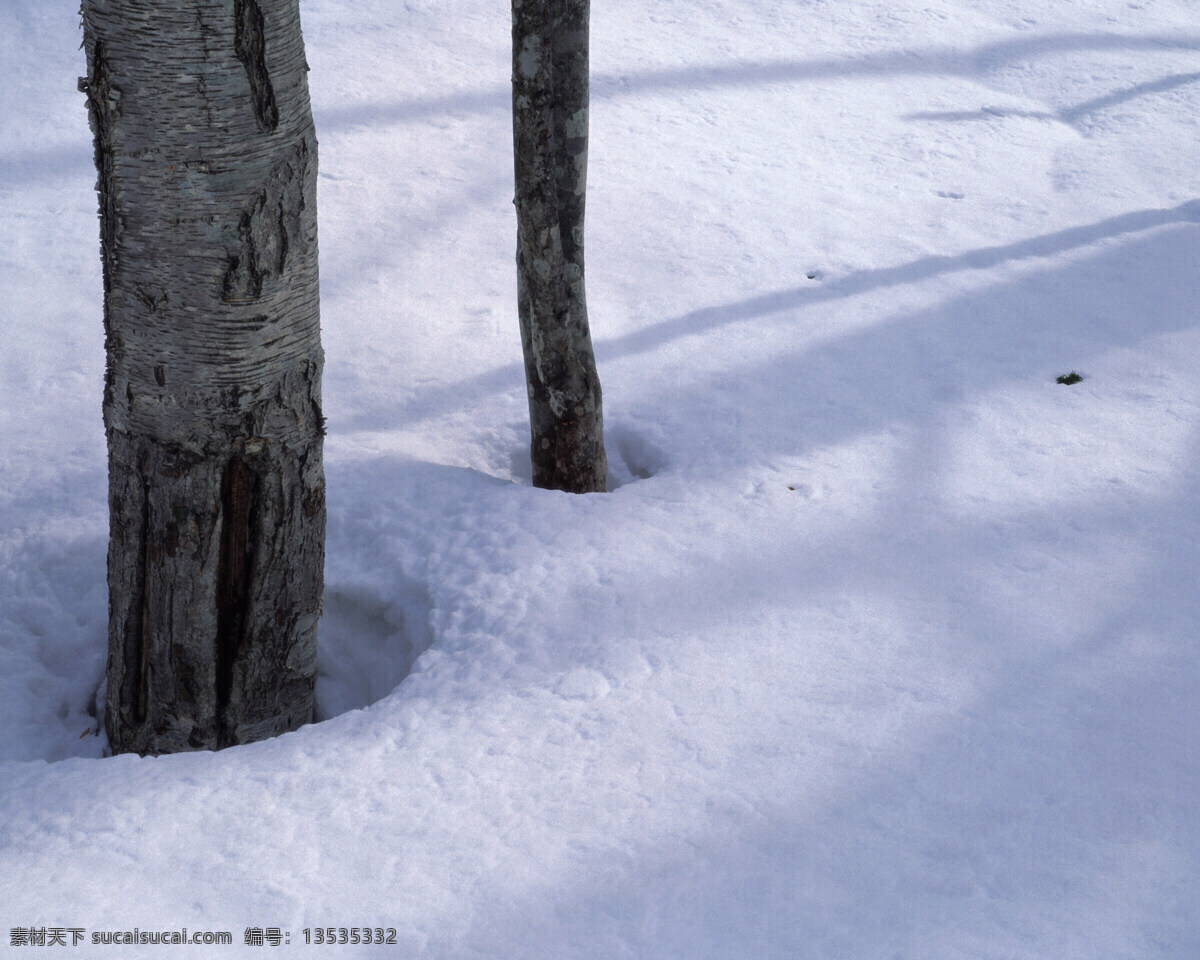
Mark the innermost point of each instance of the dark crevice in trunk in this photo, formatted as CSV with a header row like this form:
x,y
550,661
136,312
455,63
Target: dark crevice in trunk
x,y
251,46
238,488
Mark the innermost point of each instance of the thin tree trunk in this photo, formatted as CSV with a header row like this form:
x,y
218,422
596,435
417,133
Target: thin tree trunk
x,y
550,139
207,164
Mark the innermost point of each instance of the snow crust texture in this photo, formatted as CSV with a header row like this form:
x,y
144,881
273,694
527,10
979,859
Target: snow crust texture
x,y
885,644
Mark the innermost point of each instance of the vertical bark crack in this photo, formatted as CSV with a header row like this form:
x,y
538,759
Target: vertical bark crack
x,y
251,46
233,578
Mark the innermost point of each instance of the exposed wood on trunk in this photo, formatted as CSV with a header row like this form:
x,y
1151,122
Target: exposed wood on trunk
x,y
206,162
550,131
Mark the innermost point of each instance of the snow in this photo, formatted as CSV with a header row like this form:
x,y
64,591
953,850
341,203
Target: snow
x,y
884,643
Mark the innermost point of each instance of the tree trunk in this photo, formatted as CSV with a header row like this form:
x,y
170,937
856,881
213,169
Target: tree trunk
x,y
207,164
550,136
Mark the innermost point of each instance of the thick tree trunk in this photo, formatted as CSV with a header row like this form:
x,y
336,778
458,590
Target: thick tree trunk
x,y
550,138
207,166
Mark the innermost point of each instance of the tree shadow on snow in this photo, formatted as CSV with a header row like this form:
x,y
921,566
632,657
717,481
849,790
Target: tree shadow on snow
x,y
1047,806
936,61
1018,330
1070,115
929,61
433,400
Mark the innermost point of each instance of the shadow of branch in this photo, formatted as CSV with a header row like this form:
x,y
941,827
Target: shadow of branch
x,y
931,61
1071,115
433,400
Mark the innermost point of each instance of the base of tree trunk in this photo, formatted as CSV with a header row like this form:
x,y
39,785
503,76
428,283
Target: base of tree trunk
x,y
569,455
212,629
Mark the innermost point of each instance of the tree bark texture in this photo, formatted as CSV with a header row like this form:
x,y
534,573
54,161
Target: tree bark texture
x,y
550,140
207,164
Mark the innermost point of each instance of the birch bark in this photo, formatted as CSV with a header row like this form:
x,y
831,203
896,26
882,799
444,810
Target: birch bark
x,y
207,162
550,140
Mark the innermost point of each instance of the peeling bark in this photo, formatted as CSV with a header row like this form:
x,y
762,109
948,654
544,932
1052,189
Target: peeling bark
x,y
269,225
103,102
206,163
550,135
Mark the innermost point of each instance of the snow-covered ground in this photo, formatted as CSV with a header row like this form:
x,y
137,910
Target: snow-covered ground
x,y
885,645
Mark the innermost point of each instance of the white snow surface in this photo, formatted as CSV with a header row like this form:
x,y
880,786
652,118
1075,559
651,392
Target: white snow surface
x,y
884,644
